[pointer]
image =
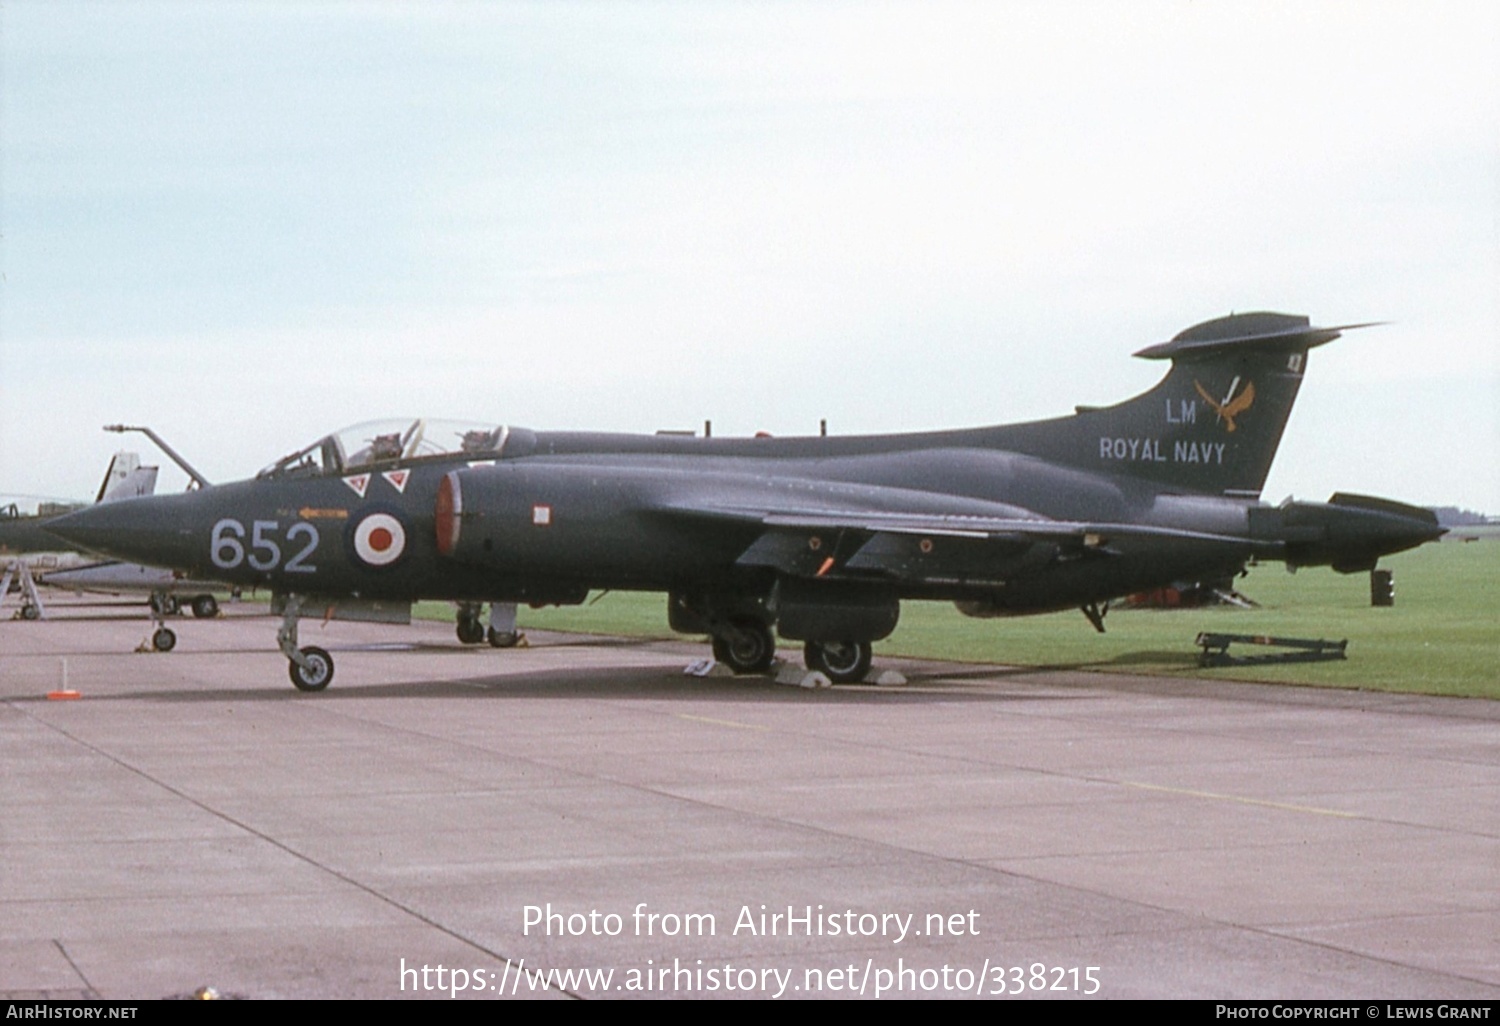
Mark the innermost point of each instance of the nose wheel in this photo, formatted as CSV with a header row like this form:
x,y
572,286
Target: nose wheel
x,y
314,672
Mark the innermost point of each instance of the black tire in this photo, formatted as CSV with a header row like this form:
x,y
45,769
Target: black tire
x,y
30,613
470,632
749,649
843,662
502,639
317,676
164,639
205,607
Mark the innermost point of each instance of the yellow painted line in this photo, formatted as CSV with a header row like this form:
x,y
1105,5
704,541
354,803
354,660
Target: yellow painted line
x,y
1286,806
719,723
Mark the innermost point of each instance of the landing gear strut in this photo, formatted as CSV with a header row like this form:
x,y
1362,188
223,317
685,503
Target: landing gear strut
x,y
502,631
31,602
163,638
310,668
470,630
1095,613
843,662
746,647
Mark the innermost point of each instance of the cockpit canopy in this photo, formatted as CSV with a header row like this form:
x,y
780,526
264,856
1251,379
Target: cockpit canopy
x,y
378,443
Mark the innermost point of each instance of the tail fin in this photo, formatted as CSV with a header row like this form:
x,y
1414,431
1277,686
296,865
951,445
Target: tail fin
x,y
1212,425
126,479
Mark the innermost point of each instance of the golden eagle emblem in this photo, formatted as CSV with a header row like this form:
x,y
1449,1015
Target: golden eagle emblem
x,y
1232,405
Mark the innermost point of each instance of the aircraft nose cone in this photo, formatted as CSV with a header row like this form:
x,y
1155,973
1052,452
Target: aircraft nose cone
x,y
143,530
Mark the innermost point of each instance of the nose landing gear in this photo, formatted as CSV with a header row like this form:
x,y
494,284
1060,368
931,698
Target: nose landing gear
x,y
314,672
310,668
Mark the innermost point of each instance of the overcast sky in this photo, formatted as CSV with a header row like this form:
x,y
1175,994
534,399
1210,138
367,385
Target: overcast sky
x,y
248,224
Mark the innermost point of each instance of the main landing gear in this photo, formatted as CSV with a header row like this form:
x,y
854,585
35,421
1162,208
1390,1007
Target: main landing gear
x,y
470,630
746,646
843,662
501,632
502,639
310,668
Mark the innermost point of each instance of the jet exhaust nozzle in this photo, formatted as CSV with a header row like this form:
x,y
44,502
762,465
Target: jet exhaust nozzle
x,y
1348,533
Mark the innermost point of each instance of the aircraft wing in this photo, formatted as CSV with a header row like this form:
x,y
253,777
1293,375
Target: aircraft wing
x,y
933,545
992,528
957,525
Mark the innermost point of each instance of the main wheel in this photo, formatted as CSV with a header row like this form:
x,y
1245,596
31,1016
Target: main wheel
x,y
748,648
30,613
503,639
470,632
318,672
205,606
843,662
164,640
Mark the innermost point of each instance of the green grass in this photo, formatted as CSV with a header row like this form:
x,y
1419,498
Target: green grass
x,y
1441,638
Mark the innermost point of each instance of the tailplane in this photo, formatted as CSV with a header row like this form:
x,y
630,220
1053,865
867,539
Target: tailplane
x,y
1213,423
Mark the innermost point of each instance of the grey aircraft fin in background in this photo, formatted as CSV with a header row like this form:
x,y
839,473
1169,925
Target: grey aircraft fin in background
x,y
126,479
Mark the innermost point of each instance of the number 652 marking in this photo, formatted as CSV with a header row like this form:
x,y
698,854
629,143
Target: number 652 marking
x,y
227,545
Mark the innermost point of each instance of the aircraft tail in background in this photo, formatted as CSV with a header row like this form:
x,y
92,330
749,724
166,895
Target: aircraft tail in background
x,y
126,479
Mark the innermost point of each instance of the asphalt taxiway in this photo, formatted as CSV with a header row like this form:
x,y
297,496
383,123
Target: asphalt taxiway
x,y
191,820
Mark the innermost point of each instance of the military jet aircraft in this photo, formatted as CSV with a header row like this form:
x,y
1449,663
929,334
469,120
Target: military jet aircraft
x,y
817,538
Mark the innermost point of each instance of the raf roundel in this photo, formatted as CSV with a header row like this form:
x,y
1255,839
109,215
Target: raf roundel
x,y
379,539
